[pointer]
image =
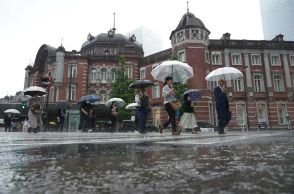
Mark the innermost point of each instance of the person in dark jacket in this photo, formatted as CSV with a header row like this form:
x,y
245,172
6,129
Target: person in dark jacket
x,y
113,116
7,122
188,120
61,115
222,106
143,101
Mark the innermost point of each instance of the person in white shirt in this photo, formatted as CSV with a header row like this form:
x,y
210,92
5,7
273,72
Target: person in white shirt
x,y
168,93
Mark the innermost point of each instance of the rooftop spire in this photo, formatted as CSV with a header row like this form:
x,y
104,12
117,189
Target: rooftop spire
x,y
187,6
113,23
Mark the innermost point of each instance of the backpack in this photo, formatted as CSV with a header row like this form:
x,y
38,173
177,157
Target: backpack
x,y
144,102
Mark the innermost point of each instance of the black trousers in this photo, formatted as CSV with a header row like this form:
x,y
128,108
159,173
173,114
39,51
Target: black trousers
x,y
171,117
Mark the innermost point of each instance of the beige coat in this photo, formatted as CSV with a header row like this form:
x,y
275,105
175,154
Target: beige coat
x,y
35,118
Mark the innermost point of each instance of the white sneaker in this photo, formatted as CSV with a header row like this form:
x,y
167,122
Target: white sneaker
x,y
90,131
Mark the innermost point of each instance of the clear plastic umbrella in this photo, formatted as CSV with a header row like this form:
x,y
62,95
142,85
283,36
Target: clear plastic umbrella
x,y
33,90
12,111
178,70
132,106
225,73
119,102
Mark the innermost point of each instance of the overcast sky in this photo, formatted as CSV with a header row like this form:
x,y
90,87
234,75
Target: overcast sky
x,y
27,24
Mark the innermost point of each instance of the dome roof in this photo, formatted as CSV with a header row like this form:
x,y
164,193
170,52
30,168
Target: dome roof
x,y
60,48
114,39
189,21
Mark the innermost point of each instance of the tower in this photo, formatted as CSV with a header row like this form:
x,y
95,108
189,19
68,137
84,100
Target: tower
x,y
189,44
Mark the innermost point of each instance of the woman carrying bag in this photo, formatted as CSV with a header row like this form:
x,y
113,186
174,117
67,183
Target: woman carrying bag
x,y
168,93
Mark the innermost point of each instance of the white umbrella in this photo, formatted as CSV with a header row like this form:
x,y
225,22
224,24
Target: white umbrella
x,y
12,111
119,102
32,90
225,73
132,106
178,70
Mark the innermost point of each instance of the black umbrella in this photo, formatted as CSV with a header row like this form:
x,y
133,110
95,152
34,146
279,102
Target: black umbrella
x,y
63,104
142,83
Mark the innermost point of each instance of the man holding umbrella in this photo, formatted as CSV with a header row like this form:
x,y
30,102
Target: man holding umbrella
x,y
143,101
222,106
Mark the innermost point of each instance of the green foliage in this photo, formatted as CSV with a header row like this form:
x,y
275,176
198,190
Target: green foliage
x,y
120,89
173,57
180,88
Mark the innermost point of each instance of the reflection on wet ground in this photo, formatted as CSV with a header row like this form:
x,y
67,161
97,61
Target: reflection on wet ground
x,y
254,166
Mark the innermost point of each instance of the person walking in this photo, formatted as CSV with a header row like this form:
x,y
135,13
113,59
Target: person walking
x,y
168,93
35,105
188,120
222,106
143,101
60,118
113,116
7,122
85,117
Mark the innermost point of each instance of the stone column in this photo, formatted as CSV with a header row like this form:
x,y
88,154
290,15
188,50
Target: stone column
x,y
287,72
267,71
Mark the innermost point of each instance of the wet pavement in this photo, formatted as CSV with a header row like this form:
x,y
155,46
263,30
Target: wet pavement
x,y
254,162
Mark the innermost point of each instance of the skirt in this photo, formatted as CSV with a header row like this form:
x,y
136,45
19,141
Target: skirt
x,y
188,121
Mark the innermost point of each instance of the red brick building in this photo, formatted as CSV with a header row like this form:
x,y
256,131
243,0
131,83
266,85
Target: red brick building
x,y
265,93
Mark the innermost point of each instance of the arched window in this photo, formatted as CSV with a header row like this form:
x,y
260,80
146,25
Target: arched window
x,y
103,74
113,74
93,75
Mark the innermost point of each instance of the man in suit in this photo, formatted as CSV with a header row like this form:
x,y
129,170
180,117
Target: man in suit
x,y
222,106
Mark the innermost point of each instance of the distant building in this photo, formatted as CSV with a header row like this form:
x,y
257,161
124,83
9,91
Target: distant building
x,y
150,41
264,93
277,18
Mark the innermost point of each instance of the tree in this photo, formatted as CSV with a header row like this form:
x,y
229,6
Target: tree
x,y
120,89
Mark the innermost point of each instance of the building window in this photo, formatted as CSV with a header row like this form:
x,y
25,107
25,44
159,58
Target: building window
x,y
180,36
275,60
239,85
292,60
72,70
93,75
216,58
207,57
258,82
261,110
128,71
236,59
104,74
156,90
278,82
71,93
241,115
113,74
211,85
142,72
195,34
182,56
255,59
282,113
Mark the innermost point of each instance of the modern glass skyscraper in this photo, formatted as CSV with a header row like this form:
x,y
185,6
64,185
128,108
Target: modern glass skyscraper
x,y
277,18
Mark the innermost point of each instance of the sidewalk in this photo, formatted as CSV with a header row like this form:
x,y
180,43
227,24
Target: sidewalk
x,y
48,138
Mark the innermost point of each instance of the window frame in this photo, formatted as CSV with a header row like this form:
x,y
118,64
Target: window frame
x,y
232,58
256,64
72,72
278,57
143,71
262,86
236,85
279,85
156,90
220,58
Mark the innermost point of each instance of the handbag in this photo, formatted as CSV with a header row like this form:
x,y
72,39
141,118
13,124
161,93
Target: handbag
x,y
176,105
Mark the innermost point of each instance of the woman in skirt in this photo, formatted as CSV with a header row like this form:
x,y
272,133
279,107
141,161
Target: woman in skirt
x,y
188,120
